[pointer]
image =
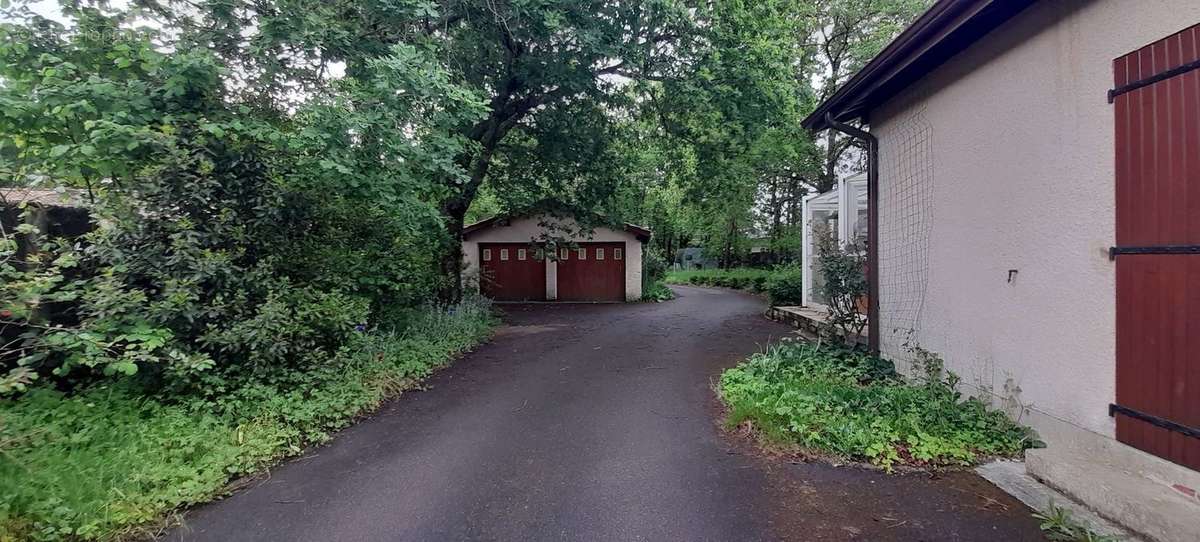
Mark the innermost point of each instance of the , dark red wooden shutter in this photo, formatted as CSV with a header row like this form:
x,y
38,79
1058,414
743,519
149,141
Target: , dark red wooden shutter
x,y
512,272
1157,104
597,277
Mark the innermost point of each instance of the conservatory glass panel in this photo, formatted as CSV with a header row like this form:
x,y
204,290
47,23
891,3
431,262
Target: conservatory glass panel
x,y
856,209
821,220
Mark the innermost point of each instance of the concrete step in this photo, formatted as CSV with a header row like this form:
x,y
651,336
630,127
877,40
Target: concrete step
x,y
1148,495
1012,477
811,322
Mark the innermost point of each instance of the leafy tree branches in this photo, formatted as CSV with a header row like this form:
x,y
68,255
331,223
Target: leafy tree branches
x,y
730,125
525,59
224,232
846,35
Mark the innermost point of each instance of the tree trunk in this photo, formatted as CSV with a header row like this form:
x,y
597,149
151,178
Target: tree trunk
x,y
728,252
832,156
488,133
454,212
451,262
776,221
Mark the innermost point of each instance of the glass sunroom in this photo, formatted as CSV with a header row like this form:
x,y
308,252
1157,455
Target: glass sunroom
x,y
842,210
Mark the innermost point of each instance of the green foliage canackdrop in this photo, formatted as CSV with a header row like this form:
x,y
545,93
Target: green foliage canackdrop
x,y
258,271
230,235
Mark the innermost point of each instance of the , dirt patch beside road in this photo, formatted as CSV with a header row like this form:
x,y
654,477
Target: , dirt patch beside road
x,y
594,422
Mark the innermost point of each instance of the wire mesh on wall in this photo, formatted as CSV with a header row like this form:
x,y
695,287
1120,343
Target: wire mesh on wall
x,y
905,209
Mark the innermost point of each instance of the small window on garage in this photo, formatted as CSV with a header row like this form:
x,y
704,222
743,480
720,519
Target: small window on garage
x,y
599,254
539,254
504,254
521,254
564,254
583,254
487,254
618,253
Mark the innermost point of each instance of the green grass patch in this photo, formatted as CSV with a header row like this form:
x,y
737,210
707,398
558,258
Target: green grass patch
x,y
855,406
108,461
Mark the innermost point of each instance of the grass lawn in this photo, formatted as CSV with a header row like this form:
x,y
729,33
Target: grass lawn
x,y
111,462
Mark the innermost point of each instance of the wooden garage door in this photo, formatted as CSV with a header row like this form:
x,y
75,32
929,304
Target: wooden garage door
x,y
592,272
512,272
1157,104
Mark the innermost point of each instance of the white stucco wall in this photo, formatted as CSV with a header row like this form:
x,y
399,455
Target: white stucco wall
x,y
1002,159
524,230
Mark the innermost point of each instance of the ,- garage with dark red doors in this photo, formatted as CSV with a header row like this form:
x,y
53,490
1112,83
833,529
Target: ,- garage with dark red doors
x,y
515,271
543,258
592,272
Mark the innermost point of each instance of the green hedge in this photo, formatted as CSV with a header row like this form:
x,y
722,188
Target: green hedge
x,y
786,286
753,280
109,460
782,285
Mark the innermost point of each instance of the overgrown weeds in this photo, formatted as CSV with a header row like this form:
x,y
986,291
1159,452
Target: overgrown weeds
x,y
107,460
654,271
1059,526
658,292
855,406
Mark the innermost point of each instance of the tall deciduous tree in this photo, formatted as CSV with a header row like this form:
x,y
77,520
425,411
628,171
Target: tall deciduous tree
x,y
846,34
736,111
